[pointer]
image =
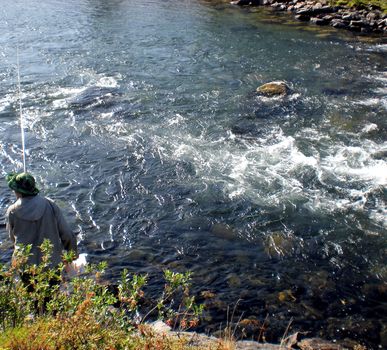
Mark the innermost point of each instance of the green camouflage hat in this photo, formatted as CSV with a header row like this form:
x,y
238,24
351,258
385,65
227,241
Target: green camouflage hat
x,y
23,183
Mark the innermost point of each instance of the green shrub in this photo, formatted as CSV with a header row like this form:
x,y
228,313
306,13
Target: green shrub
x,y
382,4
37,312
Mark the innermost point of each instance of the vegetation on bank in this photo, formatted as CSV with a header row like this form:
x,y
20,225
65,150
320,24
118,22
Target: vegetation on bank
x,y
382,4
38,313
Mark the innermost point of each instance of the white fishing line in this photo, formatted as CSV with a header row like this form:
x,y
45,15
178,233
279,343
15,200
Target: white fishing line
x,y
21,113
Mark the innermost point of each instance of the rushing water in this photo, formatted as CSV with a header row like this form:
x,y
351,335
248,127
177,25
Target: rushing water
x,y
142,123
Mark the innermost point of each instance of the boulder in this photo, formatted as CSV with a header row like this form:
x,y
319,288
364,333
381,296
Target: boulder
x,y
279,244
318,344
339,23
274,88
303,17
247,2
328,18
319,21
372,16
314,11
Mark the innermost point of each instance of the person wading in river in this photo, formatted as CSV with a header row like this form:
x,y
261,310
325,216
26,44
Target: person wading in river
x,y
33,218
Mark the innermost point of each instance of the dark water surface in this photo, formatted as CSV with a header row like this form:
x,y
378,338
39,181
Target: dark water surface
x,y
143,125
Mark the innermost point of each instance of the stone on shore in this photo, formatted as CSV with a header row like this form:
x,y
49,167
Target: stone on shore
x,y
363,20
274,88
197,340
318,344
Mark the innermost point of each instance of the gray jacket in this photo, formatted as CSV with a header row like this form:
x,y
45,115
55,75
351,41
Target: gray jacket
x,y
31,220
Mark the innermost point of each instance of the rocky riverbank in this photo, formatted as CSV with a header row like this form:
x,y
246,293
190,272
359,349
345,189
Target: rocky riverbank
x,y
362,20
201,341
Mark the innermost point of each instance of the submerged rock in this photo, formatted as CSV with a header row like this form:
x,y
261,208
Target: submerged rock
x,y
279,244
224,231
234,280
317,344
274,88
206,294
286,296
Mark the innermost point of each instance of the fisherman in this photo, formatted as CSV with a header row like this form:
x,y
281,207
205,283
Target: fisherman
x,y
34,218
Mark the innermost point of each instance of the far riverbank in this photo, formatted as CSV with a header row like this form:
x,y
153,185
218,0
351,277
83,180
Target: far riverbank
x,y
362,19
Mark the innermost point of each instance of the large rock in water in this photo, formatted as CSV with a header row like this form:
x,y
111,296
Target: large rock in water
x,y
273,88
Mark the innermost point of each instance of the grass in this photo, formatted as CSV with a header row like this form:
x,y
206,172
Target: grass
x,y
382,4
82,314
85,333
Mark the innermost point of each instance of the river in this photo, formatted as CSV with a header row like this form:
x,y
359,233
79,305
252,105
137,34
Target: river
x,y
143,124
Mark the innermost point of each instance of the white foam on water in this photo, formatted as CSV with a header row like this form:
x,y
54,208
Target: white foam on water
x,y
378,48
6,101
369,128
374,101
268,171
107,115
260,170
177,119
63,95
109,82
350,164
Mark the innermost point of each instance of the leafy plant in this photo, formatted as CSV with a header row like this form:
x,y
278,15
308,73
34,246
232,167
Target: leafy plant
x,y
82,313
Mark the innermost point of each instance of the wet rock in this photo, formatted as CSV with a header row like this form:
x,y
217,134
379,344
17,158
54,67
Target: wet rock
x,y
350,16
319,21
286,296
339,23
383,337
354,28
375,291
318,344
247,2
234,280
380,155
372,16
382,22
137,255
217,304
303,17
354,328
316,10
255,281
279,244
248,328
319,282
299,5
328,18
252,345
223,231
206,294
366,30
357,23
93,95
274,88
311,312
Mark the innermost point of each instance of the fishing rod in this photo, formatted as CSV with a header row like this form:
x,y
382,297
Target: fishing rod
x,y
21,113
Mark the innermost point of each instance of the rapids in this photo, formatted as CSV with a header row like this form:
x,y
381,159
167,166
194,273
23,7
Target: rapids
x,y
143,125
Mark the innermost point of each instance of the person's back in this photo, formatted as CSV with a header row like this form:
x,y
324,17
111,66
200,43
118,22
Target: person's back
x,y
33,218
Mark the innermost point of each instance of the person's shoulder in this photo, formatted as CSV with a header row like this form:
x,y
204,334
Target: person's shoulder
x,y
49,200
52,203
13,207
